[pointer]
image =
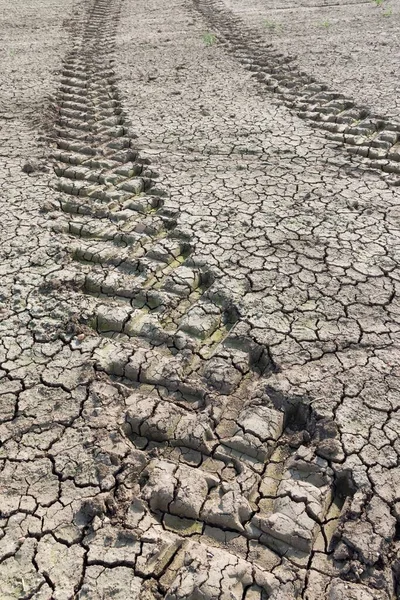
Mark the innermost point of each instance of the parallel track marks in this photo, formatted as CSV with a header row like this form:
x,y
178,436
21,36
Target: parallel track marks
x,y
169,332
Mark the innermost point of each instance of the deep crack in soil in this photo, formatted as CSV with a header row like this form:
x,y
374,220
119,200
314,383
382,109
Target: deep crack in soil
x,y
199,362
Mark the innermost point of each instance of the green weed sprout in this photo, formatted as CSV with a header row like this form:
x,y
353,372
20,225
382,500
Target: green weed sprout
x,y
273,26
209,38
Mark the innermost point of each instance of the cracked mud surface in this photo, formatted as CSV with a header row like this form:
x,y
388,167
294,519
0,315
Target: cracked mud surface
x,y
352,45
199,362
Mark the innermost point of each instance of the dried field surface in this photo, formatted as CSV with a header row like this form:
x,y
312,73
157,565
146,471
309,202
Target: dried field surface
x,y
350,45
199,301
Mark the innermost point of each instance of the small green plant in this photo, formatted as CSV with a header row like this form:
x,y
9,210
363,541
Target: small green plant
x,y
273,26
380,4
326,24
209,38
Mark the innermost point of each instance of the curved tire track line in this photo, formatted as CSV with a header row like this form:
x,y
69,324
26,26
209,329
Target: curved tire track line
x,y
374,139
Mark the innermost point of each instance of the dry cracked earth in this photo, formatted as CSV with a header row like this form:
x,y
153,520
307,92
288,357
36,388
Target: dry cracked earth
x,y
200,314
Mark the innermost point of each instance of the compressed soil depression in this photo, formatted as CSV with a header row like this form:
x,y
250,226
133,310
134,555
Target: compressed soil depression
x,y
199,358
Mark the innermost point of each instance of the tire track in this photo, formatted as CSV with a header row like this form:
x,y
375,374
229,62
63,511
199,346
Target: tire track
x,y
222,460
374,139
137,265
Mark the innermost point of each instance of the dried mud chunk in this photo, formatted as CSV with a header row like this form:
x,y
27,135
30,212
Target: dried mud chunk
x,y
163,421
158,547
287,529
257,428
147,553
112,358
378,513
201,320
360,536
111,318
302,498
182,281
150,366
62,564
89,457
18,576
222,375
180,490
31,478
142,324
226,507
208,573
165,251
331,449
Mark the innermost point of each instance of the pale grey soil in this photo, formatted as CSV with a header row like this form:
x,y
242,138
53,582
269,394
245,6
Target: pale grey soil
x,y
351,45
199,359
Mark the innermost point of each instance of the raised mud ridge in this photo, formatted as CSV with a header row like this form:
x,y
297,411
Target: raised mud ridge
x,y
374,139
230,489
